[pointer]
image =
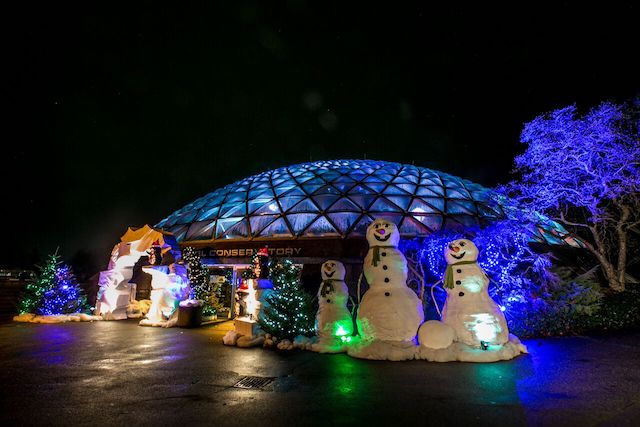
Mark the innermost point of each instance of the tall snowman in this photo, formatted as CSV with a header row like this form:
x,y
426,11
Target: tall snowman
x,y
333,321
475,318
390,311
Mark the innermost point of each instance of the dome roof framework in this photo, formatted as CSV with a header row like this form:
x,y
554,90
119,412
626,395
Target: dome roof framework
x,y
336,198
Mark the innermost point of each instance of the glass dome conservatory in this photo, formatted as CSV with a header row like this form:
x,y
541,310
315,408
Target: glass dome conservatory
x,y
338,199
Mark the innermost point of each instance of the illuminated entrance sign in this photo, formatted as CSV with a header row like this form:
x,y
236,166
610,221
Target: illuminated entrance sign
x,y
248,252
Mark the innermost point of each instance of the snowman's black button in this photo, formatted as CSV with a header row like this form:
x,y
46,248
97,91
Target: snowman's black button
x,y
328,300
386,280
387,294
461,294
458,271
458,282
384,267
384,254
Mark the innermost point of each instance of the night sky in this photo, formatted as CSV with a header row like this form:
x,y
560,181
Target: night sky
x,y
118,115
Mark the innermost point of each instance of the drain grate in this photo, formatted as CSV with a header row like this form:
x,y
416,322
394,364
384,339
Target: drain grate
x,y
254,382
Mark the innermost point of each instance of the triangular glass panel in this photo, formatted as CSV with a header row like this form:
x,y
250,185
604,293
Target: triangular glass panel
x,y
260,193
344,205
327,189
224,224
270,208
208,213
311,188
377,187
238,230
325,200
420,207
433,222
292,192
458,193
401,201
236,197
409,188
461,207
343,187
258,223
412,227
313,181
384,176
392,189
436,202
426,191
330,175
288,201
300,221
361,189
199,203
358,175
185,217
321,227
179,232
360,229
373,178
344,179
306,205
276,228
343,221
363,200
239,210
200,230
383,205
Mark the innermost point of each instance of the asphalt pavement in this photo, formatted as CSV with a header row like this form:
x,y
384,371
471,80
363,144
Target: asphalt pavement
x,y
118,373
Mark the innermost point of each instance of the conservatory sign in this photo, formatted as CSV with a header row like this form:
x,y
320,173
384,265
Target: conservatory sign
x,y
248,252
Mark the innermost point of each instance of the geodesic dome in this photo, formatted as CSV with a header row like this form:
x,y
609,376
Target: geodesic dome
x,y
336,198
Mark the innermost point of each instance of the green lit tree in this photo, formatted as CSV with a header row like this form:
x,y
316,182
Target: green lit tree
x,y
55,291
288,311
201,288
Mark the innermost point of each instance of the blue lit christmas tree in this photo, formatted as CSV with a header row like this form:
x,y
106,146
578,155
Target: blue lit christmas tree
x,y
54,291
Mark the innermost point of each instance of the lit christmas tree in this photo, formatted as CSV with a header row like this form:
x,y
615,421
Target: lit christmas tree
x,y
55,291
201,288
289,310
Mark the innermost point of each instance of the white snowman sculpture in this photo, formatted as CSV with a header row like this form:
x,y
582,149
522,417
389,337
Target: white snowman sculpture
x,y
390,311
334,324
475,319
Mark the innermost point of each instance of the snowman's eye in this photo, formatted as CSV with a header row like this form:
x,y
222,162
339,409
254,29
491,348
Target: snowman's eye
x,y
386,226
461,243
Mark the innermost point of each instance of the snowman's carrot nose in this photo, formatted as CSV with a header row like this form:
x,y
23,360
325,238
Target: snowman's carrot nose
x,y
380,231
455,249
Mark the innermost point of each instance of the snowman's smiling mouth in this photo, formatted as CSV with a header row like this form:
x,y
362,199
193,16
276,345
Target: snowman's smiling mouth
x,y
382,239
330,274
458,256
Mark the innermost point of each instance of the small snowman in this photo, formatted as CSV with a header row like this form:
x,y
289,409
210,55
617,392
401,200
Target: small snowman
x,y
475,318
389,311
334,323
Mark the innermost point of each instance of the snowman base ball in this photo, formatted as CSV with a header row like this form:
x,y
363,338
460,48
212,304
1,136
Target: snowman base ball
x,y
461,352
435,334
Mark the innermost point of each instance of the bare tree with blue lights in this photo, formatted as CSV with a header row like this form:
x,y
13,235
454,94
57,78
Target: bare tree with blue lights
x,y
583,170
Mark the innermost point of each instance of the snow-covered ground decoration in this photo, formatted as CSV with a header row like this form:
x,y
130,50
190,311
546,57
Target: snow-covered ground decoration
x,y
334,324
56,318
473,327
390,312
